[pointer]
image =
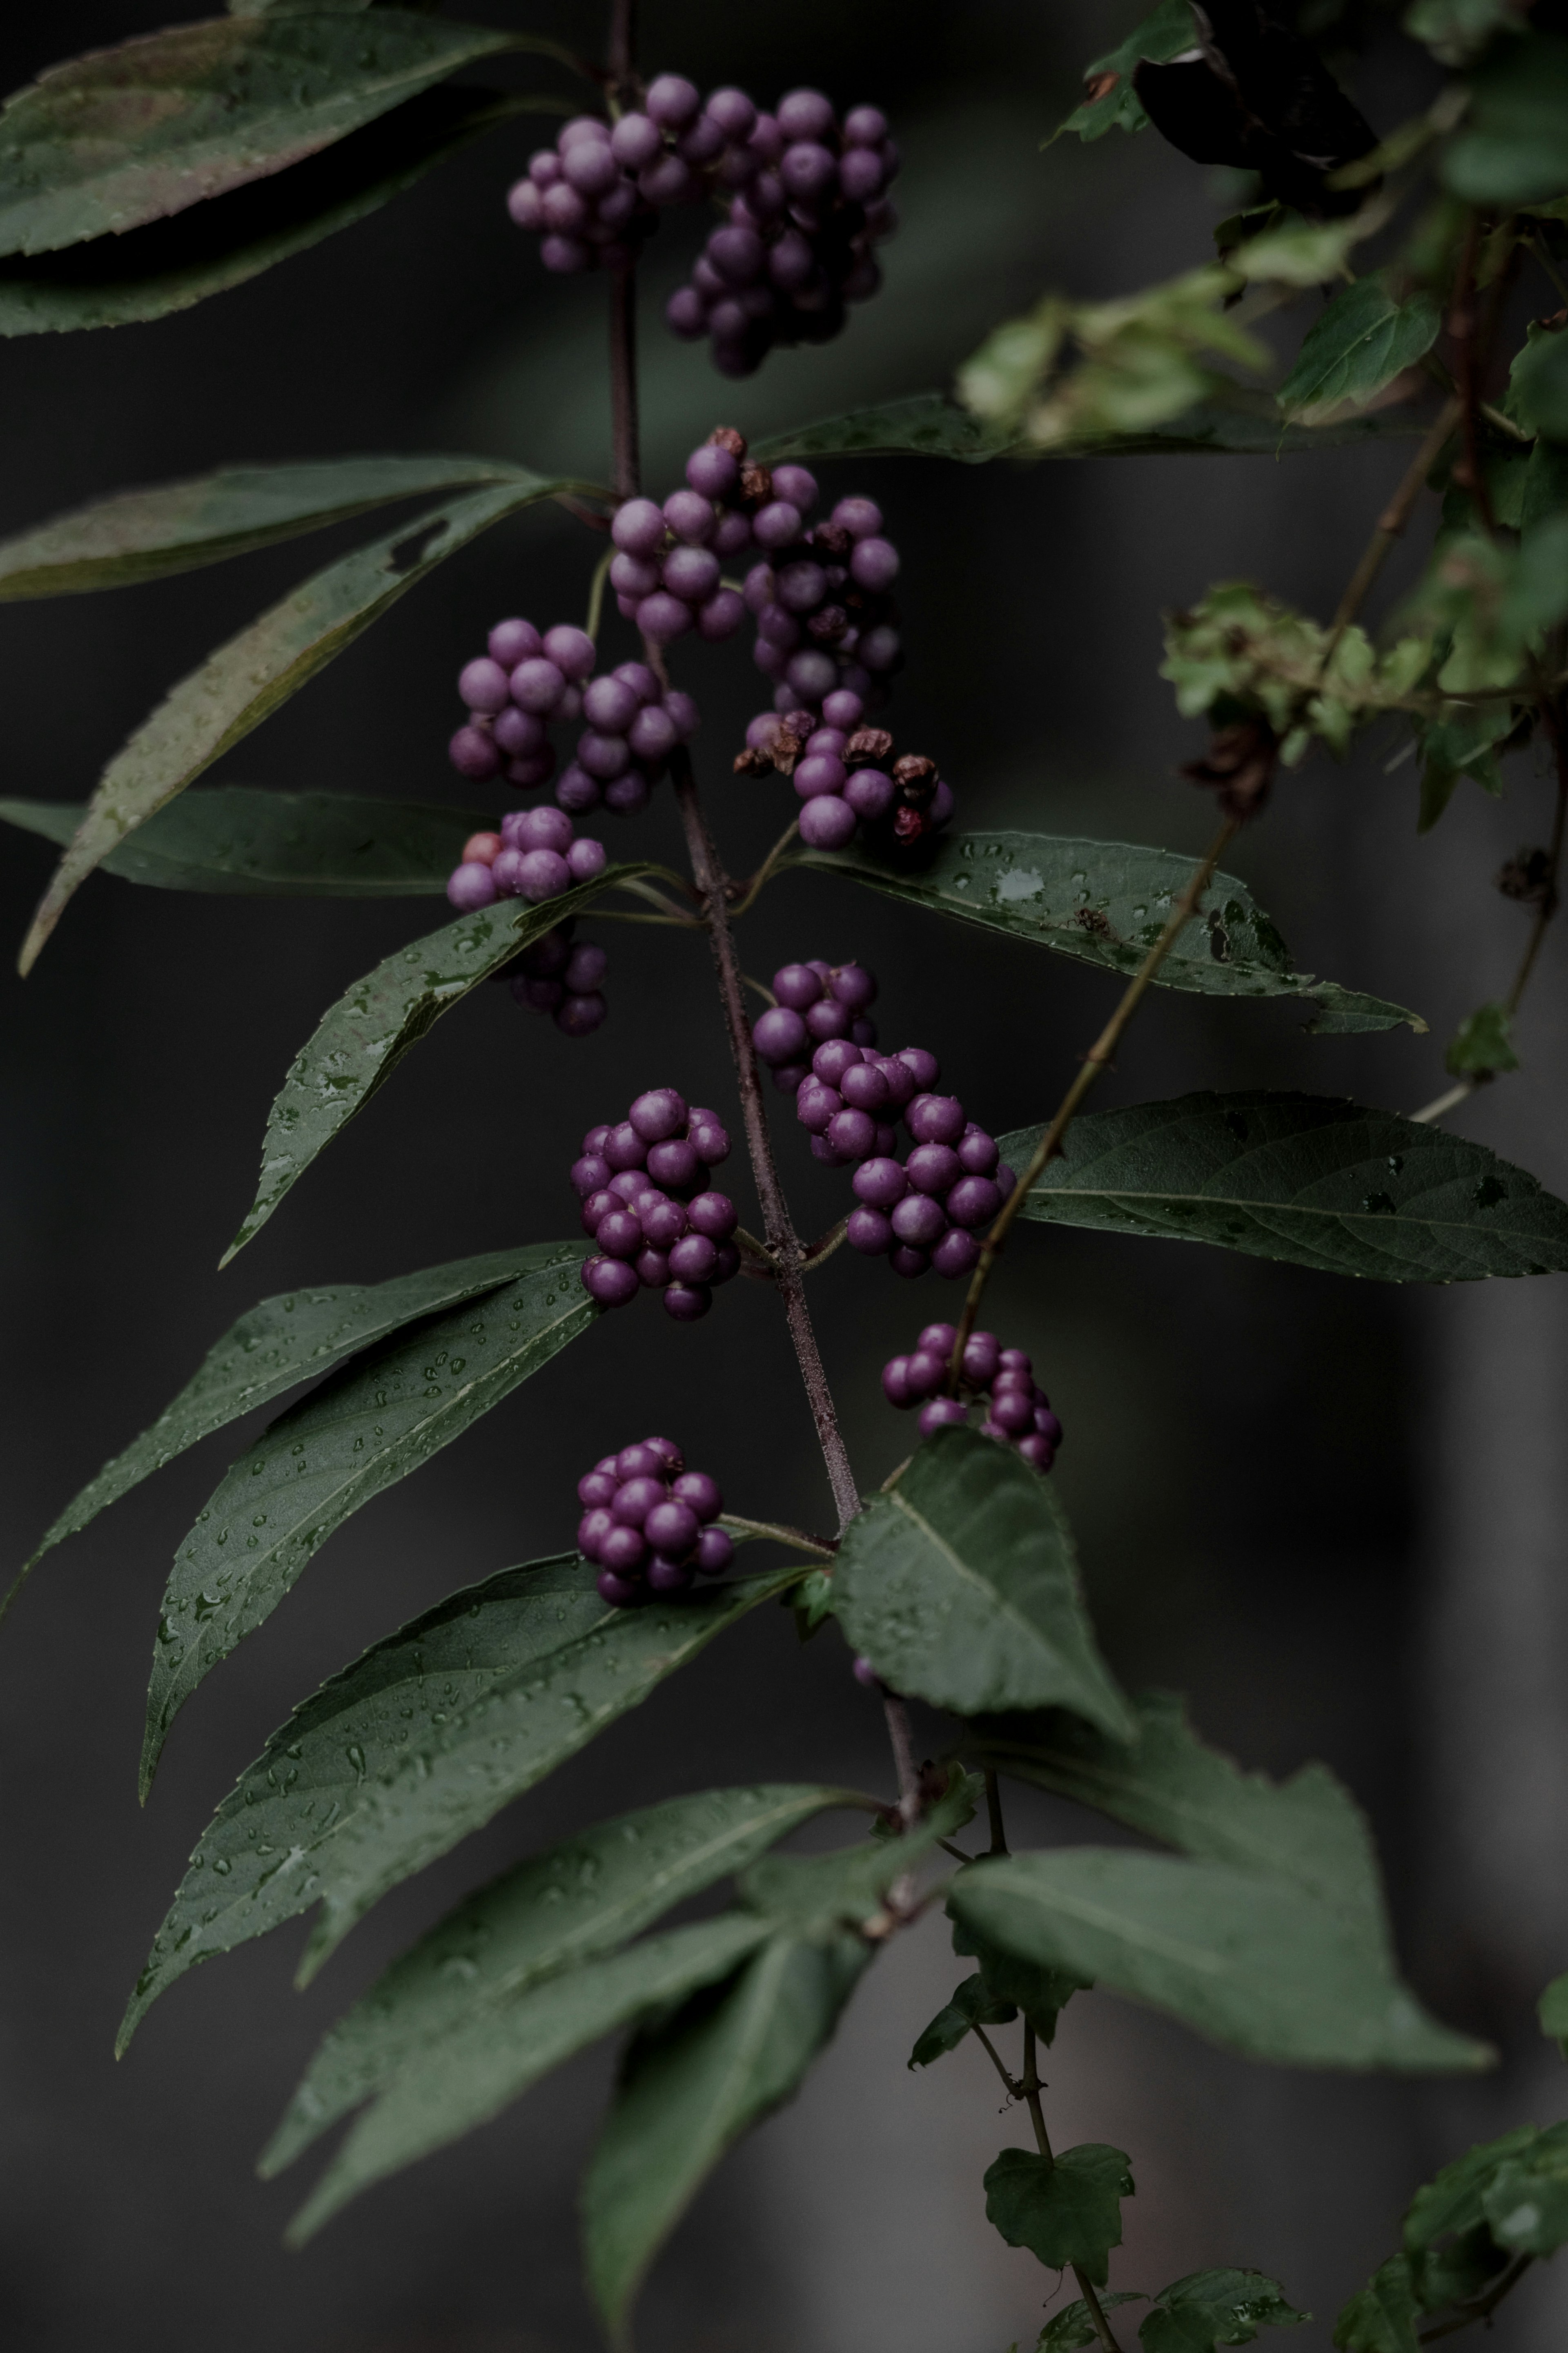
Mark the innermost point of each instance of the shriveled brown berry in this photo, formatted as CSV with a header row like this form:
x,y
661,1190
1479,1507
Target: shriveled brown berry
x,y
832,538
914,768
756,485
724,437
829,624
1238,766
872,743
751,764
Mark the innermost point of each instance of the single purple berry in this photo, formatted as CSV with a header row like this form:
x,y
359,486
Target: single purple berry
x,y
638,528
808,171
932,1167
585,965
674,1163
542,829
628,793
779,1035
828,823
636,1497
726,1265
864,1087
687,1301
483,686
864,1672
1013,1360
805,114
816,1106
977,1151
974,1201
909,1263
471,887
628,1185
623,1547
620,1592
1038,1450
852,1133
609,1280
833,1058
776,524
925,1371
662,1220
692,1259
715,1551
719,617
707,1137
713,473
874,565
571,650
637,1461
1005,1179
1013,1413
473,754
685,314
518,734
900,1080
590,1175
841,708
671,1528
870,794
542,874
935,1119
830,1156
624,1148
636,140
596,1139
942,802
667,1578
652,1268
798,986
659,1113
620,1233
697,1490
925,1068
596,1487
576,790
868,1232
672,102
1047,1427
918,1220
861,518
662,617
938,1337
956,1254
597,1205
819,772
982,1356
713,1214
942,1413
881,1183
862,174
595,1526
896,1383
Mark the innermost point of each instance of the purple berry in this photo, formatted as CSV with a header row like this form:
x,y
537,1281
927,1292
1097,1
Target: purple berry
x,y
596,1487
982,1357
687,1301
776,524
819,772
816,1106
942,1413
852,1133
1038,1450
483,686
874,565
590,1175
864,1672
635,142
925,1371
779,1035
571,650
1049,1427
828,823
635,1498
620,1233
597,1205
881,1183
577,790
828,1155
727,1265
714,1552
868,1232
708,1137
925,1069
653,734
638,528
956,1254
1013,1413
909,1263
518,734
900,1080
624,1149
586,964
609,1280
596,1139
473,754
668,1576
932,1167
672,102
662,1220
652,1269
864,1086
853,986
696,1489
977,1151
861,518
623,1547
935,1119
870,794
798,987
659,1113
919,1221
833,1059
618,1591
638,1460
594,1527
627,792
674,1163
542,874
671,1528
974,1201
472,886
713,1214
713,473
692,1259
896,1383
662,617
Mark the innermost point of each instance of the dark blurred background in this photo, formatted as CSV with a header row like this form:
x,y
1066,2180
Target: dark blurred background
x,y
1330,1514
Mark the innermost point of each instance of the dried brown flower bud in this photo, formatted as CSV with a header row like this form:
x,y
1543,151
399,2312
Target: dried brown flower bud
x,y
910,824
914,768
1527,877
785,750
832,538
1238,766
829,624
751,764
756,485
724,437
868,744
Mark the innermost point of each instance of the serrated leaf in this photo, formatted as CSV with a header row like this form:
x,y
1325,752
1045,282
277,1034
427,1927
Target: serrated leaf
x,y
1105,904
166,266
815,1895
1513,146
1252,1963
149,534
1526,2201
295,1336
1451,2200
561,1908
360,1041
1041,1993
419,1742
1552,2011
688,2090
960,1585
106,142
1161,36
1306,1178
1362,342
1208,2309
368,1425
489,2061
251,677
1064,2209
970,2006
1073,2328
1381,2317
1483,1042
233,839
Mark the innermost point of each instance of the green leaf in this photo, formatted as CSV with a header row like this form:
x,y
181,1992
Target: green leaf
x,y
1381,2317
1165,34
1073,2328
1208,2309
368,1425
169,265
1538,383
1552,2011
419,1742
1513,2191
1484,1041
1513,146
148,535
690,2087
960,1585
360,1041
930,425
491,2059
1313,1181
251,677
545,1919
1450,2203
1252,1963
972,2005
1361,343
1042,1994
1064,2209
295,1336
106,142
816,1894
232,839
1106,903
1463,742
1455,31
1526,2201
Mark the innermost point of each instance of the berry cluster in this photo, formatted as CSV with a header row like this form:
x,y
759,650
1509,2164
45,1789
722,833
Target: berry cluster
x,y
845,776
535,856
563,977
798,244
825,619
645,1203
1018,1411
649,1523
526,684
815,1002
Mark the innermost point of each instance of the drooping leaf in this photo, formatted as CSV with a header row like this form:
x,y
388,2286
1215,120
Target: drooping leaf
x,y
420,1742
1041,1993
1381,2317
1361,343
1512,147
690,2087
1106,903
488,2061
1073,2328
969,2006
1483,1042
247,679
1064,2209
105,142
148,535
1526,2201
1306,1178
1252,1963
233,839
169,265
960,1584
359,1042
1109,99
296,1336
1208,2309
368,1425
572,1904
814,1894
1552,2011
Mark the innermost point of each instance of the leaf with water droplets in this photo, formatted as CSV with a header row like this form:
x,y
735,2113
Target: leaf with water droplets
x,y
421,1741
367,1426
1314,1180
1106,903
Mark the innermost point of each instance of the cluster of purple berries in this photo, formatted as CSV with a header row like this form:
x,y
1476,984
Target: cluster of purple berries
x,y
649,1523
815,1002
535,856
827,624
643,1186
811,205
562,976
1017,1411
846,776
525,683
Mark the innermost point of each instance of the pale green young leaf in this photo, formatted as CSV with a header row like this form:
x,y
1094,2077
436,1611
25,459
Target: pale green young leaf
x,y
1512,147
1291,251
247,679
1361,343
422,1740
972,2005
233,839
1483,1042
1310,1179
1106,903
690,2087
1073,2328
1208,2309
368,1425
1066,2210
1252,1963
360,1041
105,142
1109,99
960,1584
1381,2317
560,1909
1552,2011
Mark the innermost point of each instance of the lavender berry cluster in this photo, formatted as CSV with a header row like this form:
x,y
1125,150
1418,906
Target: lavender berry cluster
x,y
646,1203
815,1002
535,856
525,683
846,778
1017,1411
649,1523
563,978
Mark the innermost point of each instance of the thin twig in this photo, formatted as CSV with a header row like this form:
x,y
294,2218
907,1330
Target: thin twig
x,y
780,1532
824,1245
596,593
758,989
1391,525
623,381
1030,2087
1443,1104
899,1733
995,2058
994,1813
765,870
